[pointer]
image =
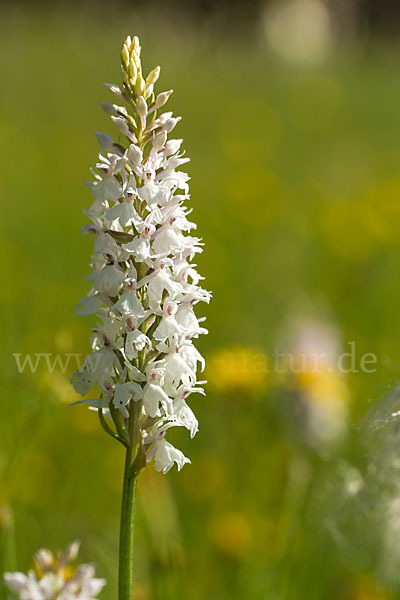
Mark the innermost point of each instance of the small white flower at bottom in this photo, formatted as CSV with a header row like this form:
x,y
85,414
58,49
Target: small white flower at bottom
x,y
56,579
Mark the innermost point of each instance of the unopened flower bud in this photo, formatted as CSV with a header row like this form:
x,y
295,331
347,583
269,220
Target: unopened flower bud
x,y
139,84
159,140
135,154
162,98
172,146
132,71
153,76
124,73
125,56
170,124
141,107
148,92
135,46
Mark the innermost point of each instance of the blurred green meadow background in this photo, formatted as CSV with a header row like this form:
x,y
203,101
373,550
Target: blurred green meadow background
x,y
293,128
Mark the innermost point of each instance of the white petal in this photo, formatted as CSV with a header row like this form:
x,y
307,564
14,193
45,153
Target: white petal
x,y
88,305
165,456
153,396
140,247
166,328
129,304
108,280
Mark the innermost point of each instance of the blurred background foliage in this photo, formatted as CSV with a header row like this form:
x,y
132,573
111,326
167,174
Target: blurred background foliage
x,y
292,121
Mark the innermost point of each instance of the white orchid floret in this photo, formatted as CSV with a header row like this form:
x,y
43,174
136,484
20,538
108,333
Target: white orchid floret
x,y
169,238
160,282
125,392
187,320
151,194
186,274
97,367
107,333
135,342
155,399
140,247
177,370
191,355
185,413
168,326
144,283
154,396
106,187
123,213
175,216
164,453
128,303
108,280
55,578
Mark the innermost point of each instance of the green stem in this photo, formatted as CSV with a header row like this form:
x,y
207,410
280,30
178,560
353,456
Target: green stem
x,y
108,429
125,583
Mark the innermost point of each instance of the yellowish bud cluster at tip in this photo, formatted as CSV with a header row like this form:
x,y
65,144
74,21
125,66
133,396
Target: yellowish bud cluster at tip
x,y
132,70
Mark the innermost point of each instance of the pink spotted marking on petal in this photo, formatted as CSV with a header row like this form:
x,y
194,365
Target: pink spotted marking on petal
x,y
130,325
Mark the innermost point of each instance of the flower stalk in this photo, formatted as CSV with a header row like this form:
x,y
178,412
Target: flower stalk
x,y
145,287
127,528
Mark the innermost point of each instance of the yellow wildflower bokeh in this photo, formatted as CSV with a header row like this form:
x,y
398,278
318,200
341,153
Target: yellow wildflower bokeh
x,y
232,533
237,370
367,589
